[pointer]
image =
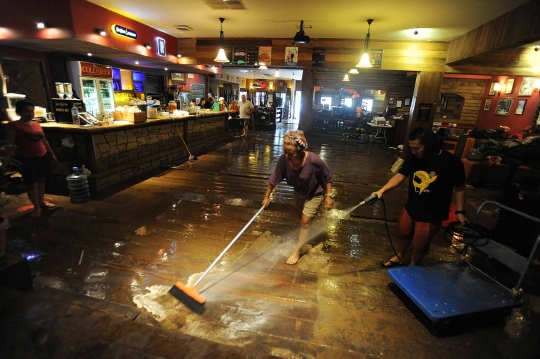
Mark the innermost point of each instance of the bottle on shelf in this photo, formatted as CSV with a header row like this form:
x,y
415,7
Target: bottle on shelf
x,y
75,115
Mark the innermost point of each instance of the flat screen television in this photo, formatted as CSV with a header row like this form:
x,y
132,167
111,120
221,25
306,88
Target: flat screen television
x,y
390,111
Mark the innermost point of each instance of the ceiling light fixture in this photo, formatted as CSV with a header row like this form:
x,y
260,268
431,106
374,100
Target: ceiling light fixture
x,y
136,62
276,74
354,71
301,37
262,66
101,31
221,57
89,54
41,25
364,60
147,45
346,77
179,55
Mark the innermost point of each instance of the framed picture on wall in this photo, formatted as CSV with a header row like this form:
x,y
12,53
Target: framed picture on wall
x,y
398,103
503,106
492,89
487,104
390,101
526,87
407,102
520,107
178,76
509,86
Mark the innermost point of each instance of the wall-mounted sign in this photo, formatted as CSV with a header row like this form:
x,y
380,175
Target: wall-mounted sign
x,y
124,31
424,112
94,70
161,47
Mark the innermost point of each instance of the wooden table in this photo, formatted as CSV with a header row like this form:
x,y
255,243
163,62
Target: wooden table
x,y
381,131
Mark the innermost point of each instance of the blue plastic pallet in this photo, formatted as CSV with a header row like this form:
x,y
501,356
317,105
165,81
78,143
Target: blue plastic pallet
x,y
449,290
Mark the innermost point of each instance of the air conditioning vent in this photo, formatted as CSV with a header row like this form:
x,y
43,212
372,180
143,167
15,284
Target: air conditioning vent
x,y
225,5
183,27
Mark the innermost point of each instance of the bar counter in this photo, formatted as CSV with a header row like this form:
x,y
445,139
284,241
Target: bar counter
x,y
123,151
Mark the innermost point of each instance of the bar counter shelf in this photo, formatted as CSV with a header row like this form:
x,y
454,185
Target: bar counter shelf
x,y
124,151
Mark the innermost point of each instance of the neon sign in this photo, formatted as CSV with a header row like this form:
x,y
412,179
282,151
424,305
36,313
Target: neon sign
x,y
124,31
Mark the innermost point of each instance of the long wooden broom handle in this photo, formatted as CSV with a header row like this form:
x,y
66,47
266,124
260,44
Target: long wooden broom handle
x,y
229,246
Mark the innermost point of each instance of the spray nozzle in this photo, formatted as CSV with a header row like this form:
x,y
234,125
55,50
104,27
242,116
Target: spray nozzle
x,y
369,199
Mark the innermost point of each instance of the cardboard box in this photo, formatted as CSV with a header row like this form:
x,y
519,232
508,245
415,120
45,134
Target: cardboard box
x,y
138,117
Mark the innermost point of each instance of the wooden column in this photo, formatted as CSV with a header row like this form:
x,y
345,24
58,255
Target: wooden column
x,y
424,103
306,100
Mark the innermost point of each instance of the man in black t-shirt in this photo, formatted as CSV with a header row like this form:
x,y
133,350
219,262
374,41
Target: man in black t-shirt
x,y
433,173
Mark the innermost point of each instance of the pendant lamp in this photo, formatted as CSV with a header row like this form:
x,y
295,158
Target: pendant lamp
x,y
346,78
262,66
364,60
354,71
276,74
221,57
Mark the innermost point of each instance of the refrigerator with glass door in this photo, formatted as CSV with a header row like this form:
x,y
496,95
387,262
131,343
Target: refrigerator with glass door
x,y
93,83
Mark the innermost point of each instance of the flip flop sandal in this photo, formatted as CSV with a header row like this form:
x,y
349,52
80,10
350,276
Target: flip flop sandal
x,y
391,263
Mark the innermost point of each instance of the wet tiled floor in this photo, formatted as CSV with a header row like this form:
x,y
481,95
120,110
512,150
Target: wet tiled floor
x,y
111,301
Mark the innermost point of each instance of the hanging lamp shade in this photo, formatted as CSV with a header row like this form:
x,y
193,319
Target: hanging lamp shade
x,y
354,71
221,57
276,74
364,60
262,66
346,77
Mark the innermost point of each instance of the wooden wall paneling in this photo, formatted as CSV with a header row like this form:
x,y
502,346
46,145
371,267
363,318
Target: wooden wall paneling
x,y
472,90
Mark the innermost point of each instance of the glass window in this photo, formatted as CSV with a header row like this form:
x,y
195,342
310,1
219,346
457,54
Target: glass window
x,y
348,102
326,100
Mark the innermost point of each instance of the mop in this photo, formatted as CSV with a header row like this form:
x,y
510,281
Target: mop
x,y
188,294
191,157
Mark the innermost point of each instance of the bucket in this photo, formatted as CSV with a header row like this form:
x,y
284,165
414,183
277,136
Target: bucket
x,y
4,223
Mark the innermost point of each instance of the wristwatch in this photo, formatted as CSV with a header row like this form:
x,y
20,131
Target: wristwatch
x,y
460,212
331,195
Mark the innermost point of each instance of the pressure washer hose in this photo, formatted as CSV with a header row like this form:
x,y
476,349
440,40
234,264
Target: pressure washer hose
x,y
372,199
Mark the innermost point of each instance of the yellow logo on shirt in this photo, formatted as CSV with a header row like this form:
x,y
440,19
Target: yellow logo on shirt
x,y
422,180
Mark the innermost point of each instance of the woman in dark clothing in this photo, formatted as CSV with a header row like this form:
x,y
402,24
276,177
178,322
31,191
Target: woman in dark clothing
x,y
33,151
311,179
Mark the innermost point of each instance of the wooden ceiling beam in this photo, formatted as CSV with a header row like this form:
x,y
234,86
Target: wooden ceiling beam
x,y
515,28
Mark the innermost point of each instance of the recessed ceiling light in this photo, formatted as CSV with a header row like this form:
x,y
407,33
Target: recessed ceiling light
x,y
136,62
89,54
166,69
40,25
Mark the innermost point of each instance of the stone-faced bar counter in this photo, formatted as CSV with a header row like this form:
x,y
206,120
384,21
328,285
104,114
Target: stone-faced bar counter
x,y
124,151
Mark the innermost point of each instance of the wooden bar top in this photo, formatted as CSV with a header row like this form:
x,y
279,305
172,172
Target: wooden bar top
x,y
123,125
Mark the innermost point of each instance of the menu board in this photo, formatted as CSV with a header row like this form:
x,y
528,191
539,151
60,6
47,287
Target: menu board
x,y
228,53
252,56
239,55
318,57
196,91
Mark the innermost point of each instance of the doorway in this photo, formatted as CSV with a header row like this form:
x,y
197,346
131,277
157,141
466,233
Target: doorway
x,y
297,105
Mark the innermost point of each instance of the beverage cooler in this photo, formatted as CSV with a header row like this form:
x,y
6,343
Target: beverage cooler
x,y
93,84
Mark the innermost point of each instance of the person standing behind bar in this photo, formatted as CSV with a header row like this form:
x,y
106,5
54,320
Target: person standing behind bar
x,y
433,175
246,107
33,151
311,179
209,103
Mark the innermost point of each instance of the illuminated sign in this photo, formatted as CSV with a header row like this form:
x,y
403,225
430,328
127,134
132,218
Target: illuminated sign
x,y
124,31
94,70
161,47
